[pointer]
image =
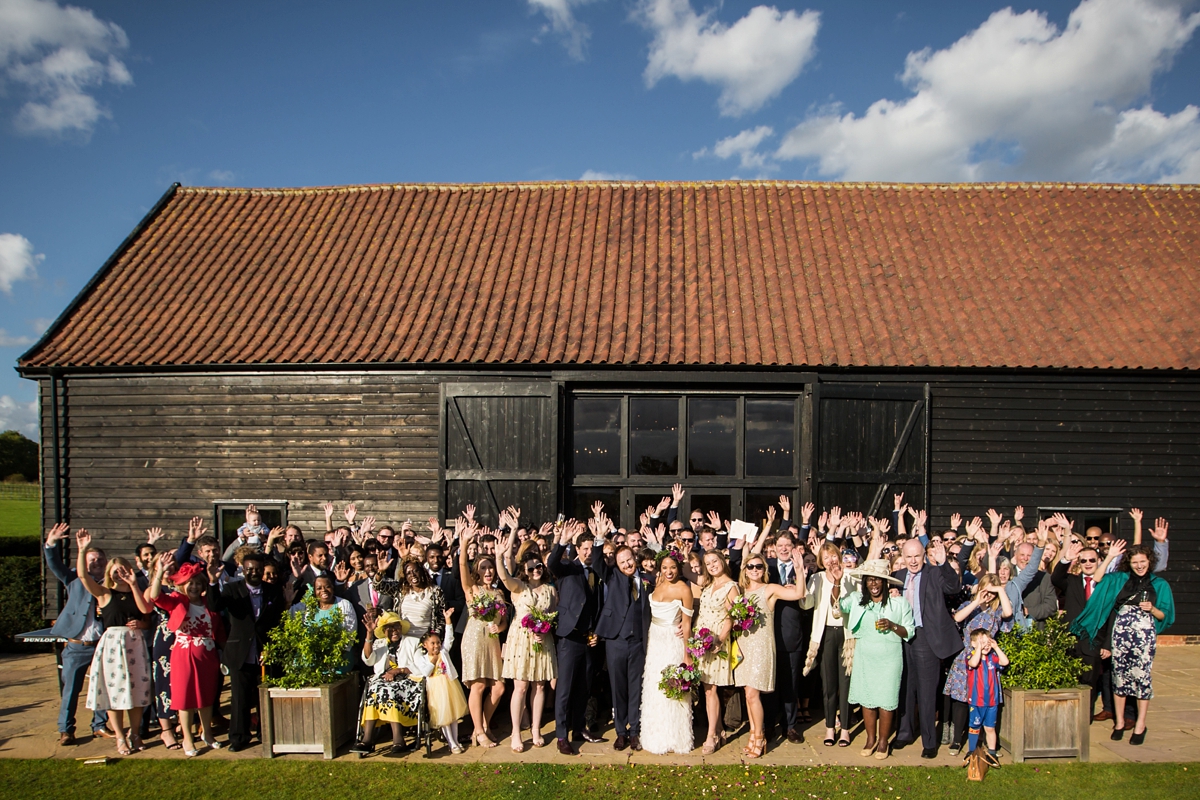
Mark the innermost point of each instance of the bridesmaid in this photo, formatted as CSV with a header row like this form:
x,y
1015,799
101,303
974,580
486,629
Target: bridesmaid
x,y
524,663
481,663
756,673
715,600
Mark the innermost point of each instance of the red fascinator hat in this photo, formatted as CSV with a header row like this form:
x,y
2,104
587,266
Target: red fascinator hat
x,y
187,572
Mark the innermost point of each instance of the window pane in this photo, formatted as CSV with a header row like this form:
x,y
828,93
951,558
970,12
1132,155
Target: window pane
x,y
653,436
581,507
712,436
759,500
704,503
597,436
770,437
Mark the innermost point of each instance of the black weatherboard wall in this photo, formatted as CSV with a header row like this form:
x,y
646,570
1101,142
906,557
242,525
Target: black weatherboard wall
x,y
136,450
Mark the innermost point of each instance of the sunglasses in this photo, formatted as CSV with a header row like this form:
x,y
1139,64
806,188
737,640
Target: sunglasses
x,y
688,539
1087,561
535,568
755,567
697,519
887,550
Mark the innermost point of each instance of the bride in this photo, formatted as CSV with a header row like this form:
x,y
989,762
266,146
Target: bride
x,y
666,723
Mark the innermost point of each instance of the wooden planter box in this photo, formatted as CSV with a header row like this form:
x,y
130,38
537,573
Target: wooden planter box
x,y
1051,724
316,720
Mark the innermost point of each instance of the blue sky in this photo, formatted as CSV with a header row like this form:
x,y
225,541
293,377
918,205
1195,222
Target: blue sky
x,y
103,105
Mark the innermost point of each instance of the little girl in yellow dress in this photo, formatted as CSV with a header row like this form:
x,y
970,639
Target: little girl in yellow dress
x,y
443,693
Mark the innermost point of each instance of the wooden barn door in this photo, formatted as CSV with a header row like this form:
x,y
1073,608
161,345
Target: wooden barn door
x,y
872,440
500,448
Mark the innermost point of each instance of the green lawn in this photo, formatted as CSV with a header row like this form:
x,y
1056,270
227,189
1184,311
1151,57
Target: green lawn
x,y
181,780
19,519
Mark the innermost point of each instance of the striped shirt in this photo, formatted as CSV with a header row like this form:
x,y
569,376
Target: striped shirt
x,y
983,682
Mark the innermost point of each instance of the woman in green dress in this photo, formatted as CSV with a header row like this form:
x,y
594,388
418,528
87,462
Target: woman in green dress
x,y
881,625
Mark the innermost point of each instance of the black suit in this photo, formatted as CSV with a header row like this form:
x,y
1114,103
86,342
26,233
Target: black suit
x,y
577,612
1075,597
624,625
243,647
791,644
935,640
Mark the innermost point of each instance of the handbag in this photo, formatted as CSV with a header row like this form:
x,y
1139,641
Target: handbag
x,y
977,765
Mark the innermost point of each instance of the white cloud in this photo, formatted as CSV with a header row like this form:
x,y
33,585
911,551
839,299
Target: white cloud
x,y
221,176
58,55
751,61
1017,98
744,145
40,324
560,18
13,341
17,416
17,260
596,175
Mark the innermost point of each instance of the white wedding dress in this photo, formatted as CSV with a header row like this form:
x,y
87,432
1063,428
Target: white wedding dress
x,y
666,723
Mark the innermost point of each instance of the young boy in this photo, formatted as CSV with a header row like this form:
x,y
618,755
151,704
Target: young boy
x,y
983,690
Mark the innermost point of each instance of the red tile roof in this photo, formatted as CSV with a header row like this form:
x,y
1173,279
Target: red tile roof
x,y
730,273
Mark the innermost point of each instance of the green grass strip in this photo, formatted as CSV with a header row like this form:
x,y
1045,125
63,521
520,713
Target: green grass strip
x,y
298,780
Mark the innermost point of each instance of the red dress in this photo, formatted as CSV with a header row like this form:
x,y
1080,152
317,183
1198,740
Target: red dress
x,y
195,662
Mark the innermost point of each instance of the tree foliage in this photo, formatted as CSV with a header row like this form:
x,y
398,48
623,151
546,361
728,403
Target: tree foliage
x,y
18,456
1041,657
305,651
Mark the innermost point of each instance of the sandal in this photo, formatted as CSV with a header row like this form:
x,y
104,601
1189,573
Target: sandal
x,y
758,744
538,741
135,743
170,744
843,742
482,740
710,747
123,748
518,746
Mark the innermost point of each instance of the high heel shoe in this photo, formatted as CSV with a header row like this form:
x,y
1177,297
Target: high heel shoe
x,y
710,746
1137,738
212,743
482,740
1117,735
758,745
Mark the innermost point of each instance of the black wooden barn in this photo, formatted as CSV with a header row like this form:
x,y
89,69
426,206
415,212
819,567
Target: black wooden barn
x,y
418,347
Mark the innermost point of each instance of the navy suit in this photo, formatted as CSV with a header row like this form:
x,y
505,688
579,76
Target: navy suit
x,y
72,621
577,612
791,646
935,640
624,625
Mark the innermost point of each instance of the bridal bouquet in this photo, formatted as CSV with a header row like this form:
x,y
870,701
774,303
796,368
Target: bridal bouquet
x,y
539,621
487,607
746,615
677,681
701,643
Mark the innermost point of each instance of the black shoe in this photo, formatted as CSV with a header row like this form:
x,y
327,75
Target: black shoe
x,y
955,748
620,743
992,759
900,744
1137,738
1117,735
564,747
363,749
635,743
239,747
588,736
929,752
794,736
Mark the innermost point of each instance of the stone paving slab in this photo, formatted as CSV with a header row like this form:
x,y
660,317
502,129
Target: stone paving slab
x,y
29,710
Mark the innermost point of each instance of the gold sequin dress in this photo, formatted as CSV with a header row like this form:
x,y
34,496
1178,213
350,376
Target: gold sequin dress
x,y
480,652
757,669
714,668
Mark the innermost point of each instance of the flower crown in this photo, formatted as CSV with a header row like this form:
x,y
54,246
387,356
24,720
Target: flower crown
x,y
672,553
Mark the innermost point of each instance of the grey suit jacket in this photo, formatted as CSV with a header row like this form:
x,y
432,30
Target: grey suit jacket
x,y
74,615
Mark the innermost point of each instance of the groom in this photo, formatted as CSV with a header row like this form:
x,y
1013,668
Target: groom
x,y
578,605
624,626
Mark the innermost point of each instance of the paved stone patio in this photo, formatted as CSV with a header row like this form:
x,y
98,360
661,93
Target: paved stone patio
x,y
29,709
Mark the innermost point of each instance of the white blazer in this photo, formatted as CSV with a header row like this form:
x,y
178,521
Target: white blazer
x,y
423,666
406,655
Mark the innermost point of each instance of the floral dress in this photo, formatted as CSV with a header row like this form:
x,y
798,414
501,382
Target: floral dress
x,y
160,665
1134,642
521,661
990,620
398,700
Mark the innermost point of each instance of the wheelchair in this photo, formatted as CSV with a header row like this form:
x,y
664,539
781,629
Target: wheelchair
x,y
425,733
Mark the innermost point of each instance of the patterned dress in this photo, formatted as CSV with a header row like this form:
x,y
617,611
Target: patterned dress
x,y
1134,642
398,700
714,667
160,665
757,670
195,664
521,661
990,620
120,674
480,652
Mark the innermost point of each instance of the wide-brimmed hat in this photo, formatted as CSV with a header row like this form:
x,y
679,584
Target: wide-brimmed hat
x,y
877,568
187,572
390,618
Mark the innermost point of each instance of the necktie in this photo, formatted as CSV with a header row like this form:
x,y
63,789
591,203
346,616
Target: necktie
x,y
374,598
633,589
785,575
1087,587
591,578
910,591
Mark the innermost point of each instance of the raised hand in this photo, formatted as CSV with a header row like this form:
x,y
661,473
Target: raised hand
x,y
57,533
662,506
1072,550
1060,519
714,521
514,513
341,571
1159,531
368,525
298,562
350,513
835,517
384,561
1136,513
328,508
881,527
153,535
676,493
994,517
1117,548
898,501
597,508
1019,513
196,529
213,568
469,513
975,530
823,521
274,536
937,553
82,539
919,519
785,505
806,512
955,521
165,563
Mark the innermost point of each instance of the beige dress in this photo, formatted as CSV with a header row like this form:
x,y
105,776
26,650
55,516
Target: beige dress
x,y
521,662
714,667
480,652
757,669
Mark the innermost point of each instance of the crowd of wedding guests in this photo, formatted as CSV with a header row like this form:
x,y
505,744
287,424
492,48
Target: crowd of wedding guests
x,y
847,619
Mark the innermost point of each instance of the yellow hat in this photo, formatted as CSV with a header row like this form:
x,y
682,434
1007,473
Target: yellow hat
x,y
390,618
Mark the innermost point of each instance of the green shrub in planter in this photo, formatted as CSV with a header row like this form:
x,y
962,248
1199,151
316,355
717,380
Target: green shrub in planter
x,y
1041,657
304,651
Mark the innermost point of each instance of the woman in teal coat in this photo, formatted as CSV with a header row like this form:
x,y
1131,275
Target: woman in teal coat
x,y
880,625
1125,614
